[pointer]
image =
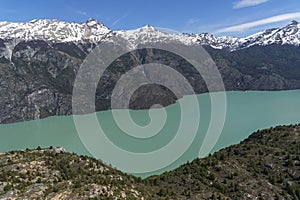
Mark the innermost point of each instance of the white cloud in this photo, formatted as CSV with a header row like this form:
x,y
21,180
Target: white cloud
x,y
192,21
82,13
11,11
247,3
246,26
119,19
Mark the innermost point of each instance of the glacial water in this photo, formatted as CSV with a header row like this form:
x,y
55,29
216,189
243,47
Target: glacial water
x,y
246,113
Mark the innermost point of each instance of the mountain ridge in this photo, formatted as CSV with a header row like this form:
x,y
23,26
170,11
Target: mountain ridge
x,y
93,31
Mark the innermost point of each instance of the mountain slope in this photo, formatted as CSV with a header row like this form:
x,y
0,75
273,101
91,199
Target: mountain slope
x,y
264,166
54,174
289,34
39,61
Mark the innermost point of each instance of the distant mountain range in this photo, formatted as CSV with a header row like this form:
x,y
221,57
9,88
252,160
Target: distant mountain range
x,y
264,166
93,31
39,61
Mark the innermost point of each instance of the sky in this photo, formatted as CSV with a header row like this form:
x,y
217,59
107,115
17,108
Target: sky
x,y
219,17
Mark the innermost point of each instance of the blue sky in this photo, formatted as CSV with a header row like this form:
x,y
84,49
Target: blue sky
x,y
221,17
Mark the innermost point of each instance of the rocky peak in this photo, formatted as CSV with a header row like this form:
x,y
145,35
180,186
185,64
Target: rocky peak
x,y
294,22
148,28
95,23
54,30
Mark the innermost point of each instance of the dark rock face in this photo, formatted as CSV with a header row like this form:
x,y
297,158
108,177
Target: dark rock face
x,y
37,77
36,83
272,67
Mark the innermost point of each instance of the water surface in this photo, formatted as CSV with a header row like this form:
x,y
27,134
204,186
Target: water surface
x,y
246,113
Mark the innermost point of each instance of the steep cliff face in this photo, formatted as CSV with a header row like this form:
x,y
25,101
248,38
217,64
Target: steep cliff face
x,y
37,82
39,61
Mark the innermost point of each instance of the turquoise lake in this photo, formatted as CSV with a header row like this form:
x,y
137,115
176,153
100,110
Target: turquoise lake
x,y
246,113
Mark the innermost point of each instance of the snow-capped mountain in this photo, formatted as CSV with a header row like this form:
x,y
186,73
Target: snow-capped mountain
x,y
54,30
289,34
151,34
93,31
